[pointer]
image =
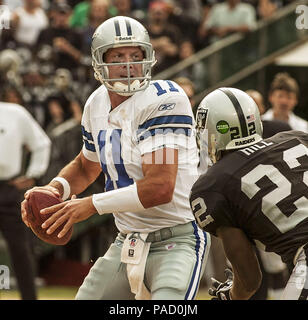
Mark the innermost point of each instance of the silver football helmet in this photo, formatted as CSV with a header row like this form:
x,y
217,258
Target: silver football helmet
x,y
227,119
118,32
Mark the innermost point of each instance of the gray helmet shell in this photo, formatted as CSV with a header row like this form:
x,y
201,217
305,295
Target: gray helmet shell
x,y
227,119
120,32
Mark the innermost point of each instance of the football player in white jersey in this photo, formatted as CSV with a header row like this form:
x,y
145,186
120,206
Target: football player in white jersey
x,y
140,134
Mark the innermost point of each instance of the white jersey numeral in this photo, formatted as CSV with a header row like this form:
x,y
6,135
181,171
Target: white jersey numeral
x,y
283,190
202,221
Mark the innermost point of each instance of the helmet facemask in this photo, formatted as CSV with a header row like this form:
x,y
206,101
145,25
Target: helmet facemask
x,y
132,84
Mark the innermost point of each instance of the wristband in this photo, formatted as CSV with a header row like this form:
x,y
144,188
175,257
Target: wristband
x,y
119,200
65,185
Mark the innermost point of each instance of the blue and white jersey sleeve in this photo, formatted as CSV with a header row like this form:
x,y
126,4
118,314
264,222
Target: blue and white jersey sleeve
x,y
88,149
168,119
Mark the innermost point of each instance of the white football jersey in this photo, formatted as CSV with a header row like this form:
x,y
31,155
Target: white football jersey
x,y
157,117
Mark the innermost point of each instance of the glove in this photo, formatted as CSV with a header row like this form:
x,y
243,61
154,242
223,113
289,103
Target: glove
x,y
221,290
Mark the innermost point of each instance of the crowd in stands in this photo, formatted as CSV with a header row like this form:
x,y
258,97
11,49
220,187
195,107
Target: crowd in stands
x,y
45,59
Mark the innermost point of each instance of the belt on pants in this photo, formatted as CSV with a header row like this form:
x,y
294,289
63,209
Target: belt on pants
x,y
167,233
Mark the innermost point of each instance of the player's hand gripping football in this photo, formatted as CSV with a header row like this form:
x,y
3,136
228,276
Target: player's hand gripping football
x,y
221,290
27,195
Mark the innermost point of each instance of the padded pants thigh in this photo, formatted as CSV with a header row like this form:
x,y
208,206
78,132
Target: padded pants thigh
x,y
107,279
174,270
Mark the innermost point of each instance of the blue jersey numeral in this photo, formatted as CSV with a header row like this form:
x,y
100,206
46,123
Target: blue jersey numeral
x,y
161,91
122,179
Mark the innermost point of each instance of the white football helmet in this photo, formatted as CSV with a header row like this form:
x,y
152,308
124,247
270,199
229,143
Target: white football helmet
x,y
118,32
227,119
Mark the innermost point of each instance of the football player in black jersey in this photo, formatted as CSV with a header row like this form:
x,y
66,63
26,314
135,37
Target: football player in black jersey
x,y
256,193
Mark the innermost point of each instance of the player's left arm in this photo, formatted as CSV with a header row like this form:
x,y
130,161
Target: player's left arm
x,y
245,265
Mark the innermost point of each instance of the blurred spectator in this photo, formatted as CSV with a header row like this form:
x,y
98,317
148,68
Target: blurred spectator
x,y
188,86
84,11
5,15
258,99
283,97
27,22
121,8
196,71
79,17
266,8
10,63
228,17
35,91
64,86
270,127
17,130
63,40
187,13
98,13
13,4
141,4
164,35
11,94
64,131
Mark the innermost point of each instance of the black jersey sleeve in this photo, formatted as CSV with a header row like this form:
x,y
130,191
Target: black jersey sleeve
x,y
210,208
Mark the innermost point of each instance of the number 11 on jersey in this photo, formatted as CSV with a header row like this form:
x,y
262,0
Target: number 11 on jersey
x,y
111,159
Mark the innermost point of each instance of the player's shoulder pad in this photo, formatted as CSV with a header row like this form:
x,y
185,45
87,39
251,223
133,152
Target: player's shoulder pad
x,y
95,96
164,96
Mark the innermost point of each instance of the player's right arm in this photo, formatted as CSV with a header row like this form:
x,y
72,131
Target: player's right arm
x,y
245,265
79,173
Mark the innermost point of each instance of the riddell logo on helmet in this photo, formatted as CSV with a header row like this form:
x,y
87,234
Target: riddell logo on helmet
x,y
240,143
124,38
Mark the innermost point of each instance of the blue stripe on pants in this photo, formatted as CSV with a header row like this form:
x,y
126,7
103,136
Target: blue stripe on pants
x,y
193,286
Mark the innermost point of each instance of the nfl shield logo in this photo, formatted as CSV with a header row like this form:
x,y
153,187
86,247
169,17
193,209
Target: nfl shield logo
x,y
132,243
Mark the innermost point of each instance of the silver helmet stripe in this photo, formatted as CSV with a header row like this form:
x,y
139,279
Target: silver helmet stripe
x,y
238,110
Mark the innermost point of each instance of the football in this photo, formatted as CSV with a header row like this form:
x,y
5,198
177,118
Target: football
x,y
38,200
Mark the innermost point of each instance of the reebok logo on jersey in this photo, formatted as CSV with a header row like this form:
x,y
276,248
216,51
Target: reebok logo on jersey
x,y
166,106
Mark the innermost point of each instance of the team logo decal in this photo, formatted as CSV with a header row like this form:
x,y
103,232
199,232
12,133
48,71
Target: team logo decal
x,y
222,126
201,118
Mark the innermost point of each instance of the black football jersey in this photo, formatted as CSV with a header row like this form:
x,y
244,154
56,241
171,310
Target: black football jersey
x,y
261,189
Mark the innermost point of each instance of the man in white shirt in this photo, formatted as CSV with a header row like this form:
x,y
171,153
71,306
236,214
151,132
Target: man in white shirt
x,y
229,17
19,129
28,21
140,133
283,96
